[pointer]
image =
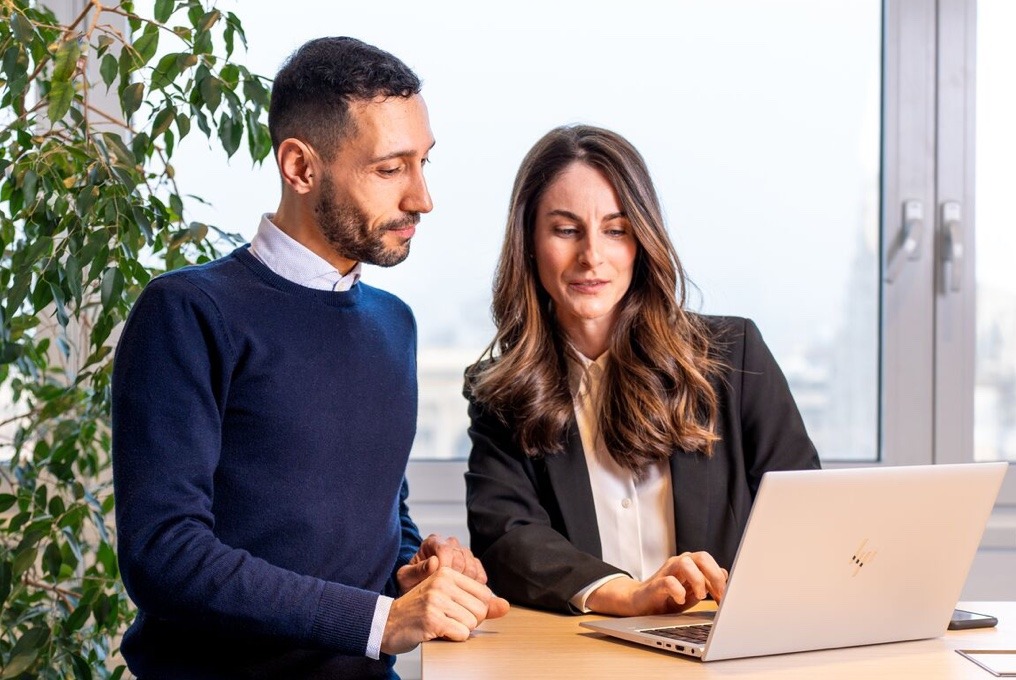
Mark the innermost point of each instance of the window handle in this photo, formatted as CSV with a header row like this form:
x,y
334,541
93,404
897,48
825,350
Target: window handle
x,y
908,244
952,247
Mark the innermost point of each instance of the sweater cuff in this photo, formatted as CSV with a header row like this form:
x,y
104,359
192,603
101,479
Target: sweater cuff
x,y
344,618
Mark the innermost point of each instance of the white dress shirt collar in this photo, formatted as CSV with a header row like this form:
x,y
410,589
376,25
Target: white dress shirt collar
x,y
294,262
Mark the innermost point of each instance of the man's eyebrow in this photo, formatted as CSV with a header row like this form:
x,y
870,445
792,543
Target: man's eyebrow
x,y
400,154
572,216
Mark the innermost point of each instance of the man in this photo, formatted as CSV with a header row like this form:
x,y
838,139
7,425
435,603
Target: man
x,y
264,406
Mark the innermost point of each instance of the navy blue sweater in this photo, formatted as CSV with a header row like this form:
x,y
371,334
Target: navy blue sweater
x,y
260,437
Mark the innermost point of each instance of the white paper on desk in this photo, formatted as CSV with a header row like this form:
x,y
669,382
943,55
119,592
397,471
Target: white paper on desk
x,y
999,662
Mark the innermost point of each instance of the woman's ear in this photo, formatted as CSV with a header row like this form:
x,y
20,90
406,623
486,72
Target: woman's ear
x,y
298,165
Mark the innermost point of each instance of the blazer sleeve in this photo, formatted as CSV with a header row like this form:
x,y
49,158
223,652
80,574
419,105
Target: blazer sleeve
x,y
772,429
515,526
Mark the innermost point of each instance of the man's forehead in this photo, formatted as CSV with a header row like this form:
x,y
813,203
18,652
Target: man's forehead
x,y
391,123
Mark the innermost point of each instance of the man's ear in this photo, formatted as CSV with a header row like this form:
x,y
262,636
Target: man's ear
x,y
299,165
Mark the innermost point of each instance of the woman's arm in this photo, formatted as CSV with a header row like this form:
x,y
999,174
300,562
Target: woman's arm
x,y
512,526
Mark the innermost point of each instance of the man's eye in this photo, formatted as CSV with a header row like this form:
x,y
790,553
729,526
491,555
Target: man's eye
x,y
388,171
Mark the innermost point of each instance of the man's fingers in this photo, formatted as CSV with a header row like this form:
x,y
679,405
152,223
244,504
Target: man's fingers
x,y
497,607
425,568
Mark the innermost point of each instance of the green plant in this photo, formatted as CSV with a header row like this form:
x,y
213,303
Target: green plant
x,y
89,212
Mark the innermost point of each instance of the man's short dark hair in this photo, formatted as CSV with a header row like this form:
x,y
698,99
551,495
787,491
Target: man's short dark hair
x,y
313,89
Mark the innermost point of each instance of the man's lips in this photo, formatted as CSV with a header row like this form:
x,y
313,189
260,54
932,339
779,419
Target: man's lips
x,y
404,229
405,232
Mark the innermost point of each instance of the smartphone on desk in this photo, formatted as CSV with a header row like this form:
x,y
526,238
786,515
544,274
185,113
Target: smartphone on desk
x,y
962,620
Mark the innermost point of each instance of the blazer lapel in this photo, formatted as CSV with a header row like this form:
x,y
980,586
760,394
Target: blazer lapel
x,y
689,474
569,479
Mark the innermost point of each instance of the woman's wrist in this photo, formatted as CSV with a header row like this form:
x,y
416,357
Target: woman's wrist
x,y
614,597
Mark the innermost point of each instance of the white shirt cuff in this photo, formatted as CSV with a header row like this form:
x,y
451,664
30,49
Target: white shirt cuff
x,y
578,600
377,626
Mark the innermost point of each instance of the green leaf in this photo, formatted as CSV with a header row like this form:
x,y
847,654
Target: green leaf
x,y
103,43
163,120
208,20
143,222
77,618
147,44
66,60
19,664
119,149
183,125
111,288
165,71
131,97
28,184
258,138
72,273
198,231
234,23
230,74
51,559
164,10
211,91
7,500
61,95
23,560
107,69
82,671
230,134
25,651
24,31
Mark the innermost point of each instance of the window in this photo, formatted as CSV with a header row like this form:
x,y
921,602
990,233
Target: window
x,y
764,145
995,382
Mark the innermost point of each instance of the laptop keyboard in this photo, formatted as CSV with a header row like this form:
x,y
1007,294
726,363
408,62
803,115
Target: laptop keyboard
x,y
695,634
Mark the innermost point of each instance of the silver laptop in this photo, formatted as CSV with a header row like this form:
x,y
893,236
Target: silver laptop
x,y
838,558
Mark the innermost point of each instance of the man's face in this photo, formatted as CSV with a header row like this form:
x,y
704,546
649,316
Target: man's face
x,y
373,190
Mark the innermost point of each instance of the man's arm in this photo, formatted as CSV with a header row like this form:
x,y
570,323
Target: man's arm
x,y
170,383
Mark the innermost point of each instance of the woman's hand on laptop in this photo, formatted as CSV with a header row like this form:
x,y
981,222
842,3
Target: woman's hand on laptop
x,y
682,582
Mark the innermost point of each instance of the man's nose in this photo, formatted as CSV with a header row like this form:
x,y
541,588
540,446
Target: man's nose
x,y
417,197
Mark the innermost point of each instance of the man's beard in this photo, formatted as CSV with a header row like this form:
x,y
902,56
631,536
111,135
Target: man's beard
x,y
345,227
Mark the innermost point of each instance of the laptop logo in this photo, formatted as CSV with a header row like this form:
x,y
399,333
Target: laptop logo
x,y
862,557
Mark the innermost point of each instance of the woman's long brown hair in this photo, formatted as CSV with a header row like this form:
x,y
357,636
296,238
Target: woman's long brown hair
x,y
657,396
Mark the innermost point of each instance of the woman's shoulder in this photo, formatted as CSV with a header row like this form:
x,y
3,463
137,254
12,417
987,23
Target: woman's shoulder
x,y
724,328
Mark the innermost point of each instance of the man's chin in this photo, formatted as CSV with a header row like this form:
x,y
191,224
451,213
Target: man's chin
x,y
392,256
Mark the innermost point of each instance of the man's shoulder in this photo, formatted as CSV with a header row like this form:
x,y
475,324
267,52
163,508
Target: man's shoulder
x,y
384,300
197,285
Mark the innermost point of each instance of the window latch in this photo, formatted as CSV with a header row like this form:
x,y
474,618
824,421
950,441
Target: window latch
x,y
952,247
908,245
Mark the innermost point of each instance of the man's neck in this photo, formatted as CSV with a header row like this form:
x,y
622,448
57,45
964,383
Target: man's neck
x,y
299,223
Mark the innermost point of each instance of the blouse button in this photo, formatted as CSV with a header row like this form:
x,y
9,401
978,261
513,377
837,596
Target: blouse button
x,y
626,503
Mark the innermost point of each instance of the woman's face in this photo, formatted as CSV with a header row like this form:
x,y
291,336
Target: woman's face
x,y
585,253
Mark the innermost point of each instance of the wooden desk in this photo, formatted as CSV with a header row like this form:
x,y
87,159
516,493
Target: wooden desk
x,y
532,644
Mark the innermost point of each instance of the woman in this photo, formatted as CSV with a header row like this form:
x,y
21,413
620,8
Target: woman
x,y
618,439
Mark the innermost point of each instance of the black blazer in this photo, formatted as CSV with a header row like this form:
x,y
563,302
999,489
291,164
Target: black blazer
x,y
532,521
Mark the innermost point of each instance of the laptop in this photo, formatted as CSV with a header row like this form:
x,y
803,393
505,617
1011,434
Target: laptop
x,y
838,558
